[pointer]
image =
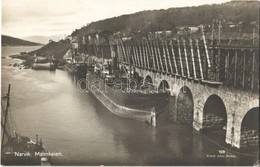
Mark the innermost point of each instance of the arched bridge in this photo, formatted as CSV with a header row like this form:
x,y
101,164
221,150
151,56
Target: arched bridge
x,y
213,86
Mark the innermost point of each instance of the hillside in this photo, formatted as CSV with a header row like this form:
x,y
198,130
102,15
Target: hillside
x,y
11,41
170,19
53,49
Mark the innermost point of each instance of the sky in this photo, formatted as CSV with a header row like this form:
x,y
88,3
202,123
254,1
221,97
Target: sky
x,y
23,18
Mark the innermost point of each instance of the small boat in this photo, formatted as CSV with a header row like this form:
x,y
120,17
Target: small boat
x,y
44,66
18,149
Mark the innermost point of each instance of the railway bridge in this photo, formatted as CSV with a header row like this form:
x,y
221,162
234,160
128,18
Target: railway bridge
x,y
213,86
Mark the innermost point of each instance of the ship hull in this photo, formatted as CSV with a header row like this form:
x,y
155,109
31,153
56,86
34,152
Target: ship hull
x,y
136,106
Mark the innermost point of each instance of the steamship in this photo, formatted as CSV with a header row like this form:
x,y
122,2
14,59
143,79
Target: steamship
x,y
124,94
111,81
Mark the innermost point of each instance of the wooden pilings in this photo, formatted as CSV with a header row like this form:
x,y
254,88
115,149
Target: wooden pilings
x,y
180,58
241,68
174,58
193,60
153,55
186,59
169,57
147,54
199,60
190,59
143,54
159,56
164,57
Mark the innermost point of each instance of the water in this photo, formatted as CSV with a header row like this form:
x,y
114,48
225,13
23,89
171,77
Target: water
x,y
78,126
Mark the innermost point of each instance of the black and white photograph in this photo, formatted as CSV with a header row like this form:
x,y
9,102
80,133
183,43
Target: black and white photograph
x,y
130,83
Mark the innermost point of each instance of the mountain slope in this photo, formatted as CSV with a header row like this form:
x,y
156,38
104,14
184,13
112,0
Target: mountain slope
x,y
11,41
159,20
53,49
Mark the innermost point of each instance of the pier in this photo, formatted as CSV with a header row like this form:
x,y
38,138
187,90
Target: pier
x,y
214,85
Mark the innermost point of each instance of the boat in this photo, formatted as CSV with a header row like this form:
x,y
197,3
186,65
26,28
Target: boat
x,y
141,101
44,66
121,97
76,65
15,148
70,67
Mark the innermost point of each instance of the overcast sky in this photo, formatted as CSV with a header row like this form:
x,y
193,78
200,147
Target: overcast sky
x,y
21,18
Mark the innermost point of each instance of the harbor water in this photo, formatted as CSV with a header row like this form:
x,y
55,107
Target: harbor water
x,y
76,125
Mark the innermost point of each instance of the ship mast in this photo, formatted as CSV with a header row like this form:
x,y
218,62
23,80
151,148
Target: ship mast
x,y
6,110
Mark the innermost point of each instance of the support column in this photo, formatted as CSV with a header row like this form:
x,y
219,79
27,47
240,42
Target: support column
x,y
199,103
173,99
128,52
147,54
244,70
186,58
193,60
159,55
124,52
253,72
152,54
164,56
144,55
119,53
199,57
237,131
179,48
206,47
227,68
169,57
131,51
136,56
140,54
174,58
235,70
230,125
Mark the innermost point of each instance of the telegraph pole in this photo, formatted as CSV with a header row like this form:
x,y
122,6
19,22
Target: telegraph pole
x,y
219,30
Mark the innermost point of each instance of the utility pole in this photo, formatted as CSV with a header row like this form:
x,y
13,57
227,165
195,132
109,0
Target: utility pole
x,y
212,33
253,36
102,58
219,29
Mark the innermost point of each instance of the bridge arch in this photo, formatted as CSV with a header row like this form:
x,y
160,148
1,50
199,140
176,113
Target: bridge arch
x,y
137,76
163,86
249,131
149,79
185,105
252,104
214,113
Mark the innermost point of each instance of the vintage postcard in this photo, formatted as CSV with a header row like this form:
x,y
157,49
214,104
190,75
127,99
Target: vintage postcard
x,y
133,83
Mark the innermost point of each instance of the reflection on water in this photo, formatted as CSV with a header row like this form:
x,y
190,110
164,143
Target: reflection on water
x,y
78,126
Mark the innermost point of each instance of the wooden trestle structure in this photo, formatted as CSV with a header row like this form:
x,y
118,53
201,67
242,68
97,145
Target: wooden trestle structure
x,y
193,59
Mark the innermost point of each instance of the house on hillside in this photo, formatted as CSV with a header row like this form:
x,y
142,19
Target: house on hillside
x,y
193,30
187,30
126,38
